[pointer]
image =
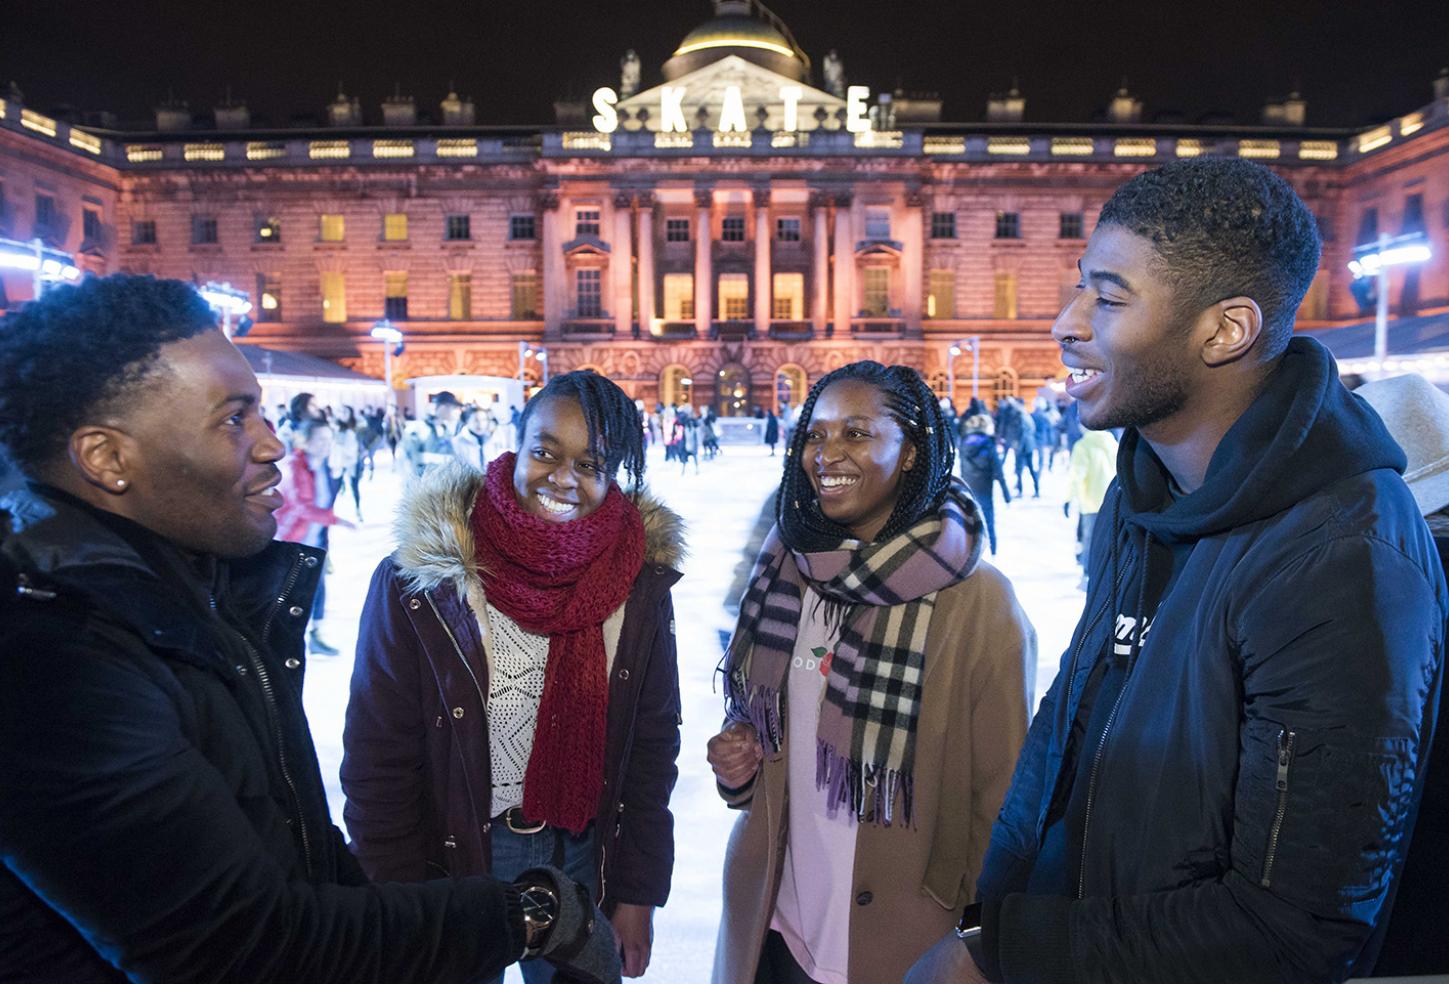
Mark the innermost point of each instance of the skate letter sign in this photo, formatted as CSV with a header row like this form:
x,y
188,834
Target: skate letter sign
x,y
729,114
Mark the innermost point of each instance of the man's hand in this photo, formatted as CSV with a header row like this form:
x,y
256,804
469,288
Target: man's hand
x,y
634,925
948,962
735,755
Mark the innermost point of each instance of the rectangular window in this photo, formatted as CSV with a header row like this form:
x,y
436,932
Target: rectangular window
x,y
1008,225
1368,227
732,229
943,225
787,230
589,293
143,232
679,297
524,290
877,223
788,300
395,295
269,230
734,296
1070,226
334,297
458,228
395,227
460,296
332,228
676,230
521,227
1413,214
1325,226
91,224
203,229
269,297
1005,307
2,198
44,211
877,292
941,298
586,222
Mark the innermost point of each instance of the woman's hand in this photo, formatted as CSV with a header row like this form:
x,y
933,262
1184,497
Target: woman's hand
x,y
735,755
634,926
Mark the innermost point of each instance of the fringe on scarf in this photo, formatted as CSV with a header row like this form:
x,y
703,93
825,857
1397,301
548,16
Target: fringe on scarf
x,y
870,791
756,706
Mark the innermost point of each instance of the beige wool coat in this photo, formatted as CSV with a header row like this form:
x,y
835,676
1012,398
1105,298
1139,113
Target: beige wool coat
x,y
909,884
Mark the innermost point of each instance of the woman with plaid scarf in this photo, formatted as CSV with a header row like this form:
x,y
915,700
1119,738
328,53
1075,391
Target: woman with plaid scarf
x,y
877,694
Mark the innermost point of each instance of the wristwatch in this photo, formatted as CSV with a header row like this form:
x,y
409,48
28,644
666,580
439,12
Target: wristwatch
x,y
540,909
970,925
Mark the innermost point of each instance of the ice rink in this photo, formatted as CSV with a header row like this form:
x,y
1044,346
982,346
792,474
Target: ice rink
x,y
721,504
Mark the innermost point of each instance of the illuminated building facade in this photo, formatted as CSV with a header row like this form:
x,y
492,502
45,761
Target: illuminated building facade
x,y
724,236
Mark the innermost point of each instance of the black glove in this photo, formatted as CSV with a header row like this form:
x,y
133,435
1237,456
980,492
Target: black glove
x,y
580,943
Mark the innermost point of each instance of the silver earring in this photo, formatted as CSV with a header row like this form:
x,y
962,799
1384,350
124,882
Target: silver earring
x,y
120,483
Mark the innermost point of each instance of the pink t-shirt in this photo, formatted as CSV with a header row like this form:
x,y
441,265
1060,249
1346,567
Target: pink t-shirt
x,y
812,909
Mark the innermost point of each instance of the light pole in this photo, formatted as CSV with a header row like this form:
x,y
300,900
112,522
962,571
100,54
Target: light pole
x,y
974,345
227,301
384,331
1374,260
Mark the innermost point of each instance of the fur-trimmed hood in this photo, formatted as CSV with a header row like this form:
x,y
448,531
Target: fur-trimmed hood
x,y
435,538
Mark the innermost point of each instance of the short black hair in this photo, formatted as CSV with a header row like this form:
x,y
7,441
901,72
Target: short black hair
x,y
83,349
615,431
918,412
1225,228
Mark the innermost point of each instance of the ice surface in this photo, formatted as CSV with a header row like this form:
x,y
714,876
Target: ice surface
x,y
720,503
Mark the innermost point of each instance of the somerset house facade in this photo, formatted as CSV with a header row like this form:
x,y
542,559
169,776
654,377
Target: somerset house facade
x,y
720,229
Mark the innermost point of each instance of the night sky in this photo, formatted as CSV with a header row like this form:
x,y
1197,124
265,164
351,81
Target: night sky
x,y
1355,62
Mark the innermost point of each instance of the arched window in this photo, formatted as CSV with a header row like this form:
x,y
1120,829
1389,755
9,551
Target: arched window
x,y
675,385
732,391
1005,384
790,386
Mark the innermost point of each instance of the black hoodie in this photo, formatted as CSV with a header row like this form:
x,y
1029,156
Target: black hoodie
x,y
1250,793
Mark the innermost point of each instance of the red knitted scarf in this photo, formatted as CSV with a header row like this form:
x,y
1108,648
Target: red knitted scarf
x,y
561,580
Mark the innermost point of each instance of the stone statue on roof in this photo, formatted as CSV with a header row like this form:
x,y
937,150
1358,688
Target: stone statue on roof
x,y
834,70
628,74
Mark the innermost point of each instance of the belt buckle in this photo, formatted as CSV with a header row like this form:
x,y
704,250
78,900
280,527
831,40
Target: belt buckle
x,y
508,816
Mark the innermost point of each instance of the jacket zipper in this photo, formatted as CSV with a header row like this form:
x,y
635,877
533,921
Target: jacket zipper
x,y
1092,790
1072,668
270,700
1285,759
478,687
274,719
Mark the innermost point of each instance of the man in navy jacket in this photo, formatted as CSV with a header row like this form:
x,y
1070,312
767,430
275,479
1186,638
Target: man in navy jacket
x,y
1220,784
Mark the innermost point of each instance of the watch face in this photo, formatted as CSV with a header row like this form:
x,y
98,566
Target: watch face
x,y
539,905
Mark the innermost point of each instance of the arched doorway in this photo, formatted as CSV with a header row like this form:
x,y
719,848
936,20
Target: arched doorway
x,y
732,391
790,386
676,385
1005,385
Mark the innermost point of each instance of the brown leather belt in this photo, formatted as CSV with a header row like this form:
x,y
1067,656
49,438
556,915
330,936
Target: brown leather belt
x,y
514,820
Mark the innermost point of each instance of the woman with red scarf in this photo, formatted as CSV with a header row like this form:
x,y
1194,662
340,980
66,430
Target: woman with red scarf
x,y
515,700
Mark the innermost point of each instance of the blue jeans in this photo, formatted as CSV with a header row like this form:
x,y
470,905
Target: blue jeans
x,y
513,854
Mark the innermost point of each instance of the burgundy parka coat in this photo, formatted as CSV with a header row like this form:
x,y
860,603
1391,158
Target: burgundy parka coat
x,y
416,769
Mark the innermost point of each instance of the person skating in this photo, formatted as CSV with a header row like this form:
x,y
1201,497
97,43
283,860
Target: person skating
x,y
981,470
1220,783
306,514
164,815
1090,471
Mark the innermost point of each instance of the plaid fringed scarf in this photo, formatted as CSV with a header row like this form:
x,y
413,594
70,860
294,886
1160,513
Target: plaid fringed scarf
x,y
865,747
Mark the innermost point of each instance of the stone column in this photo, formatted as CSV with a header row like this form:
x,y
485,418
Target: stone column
x,y
554,287
913,258
647,287
845,305
764,288
703,261
820,244
621,266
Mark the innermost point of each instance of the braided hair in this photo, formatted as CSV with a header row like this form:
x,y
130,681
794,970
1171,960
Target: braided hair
x,y
913,406
615,433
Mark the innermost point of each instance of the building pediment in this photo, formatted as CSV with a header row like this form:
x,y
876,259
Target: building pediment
x,y
715,86
586,246
879,248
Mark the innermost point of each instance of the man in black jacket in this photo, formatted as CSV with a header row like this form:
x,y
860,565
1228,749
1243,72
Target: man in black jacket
x,y
163,816
1221,782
